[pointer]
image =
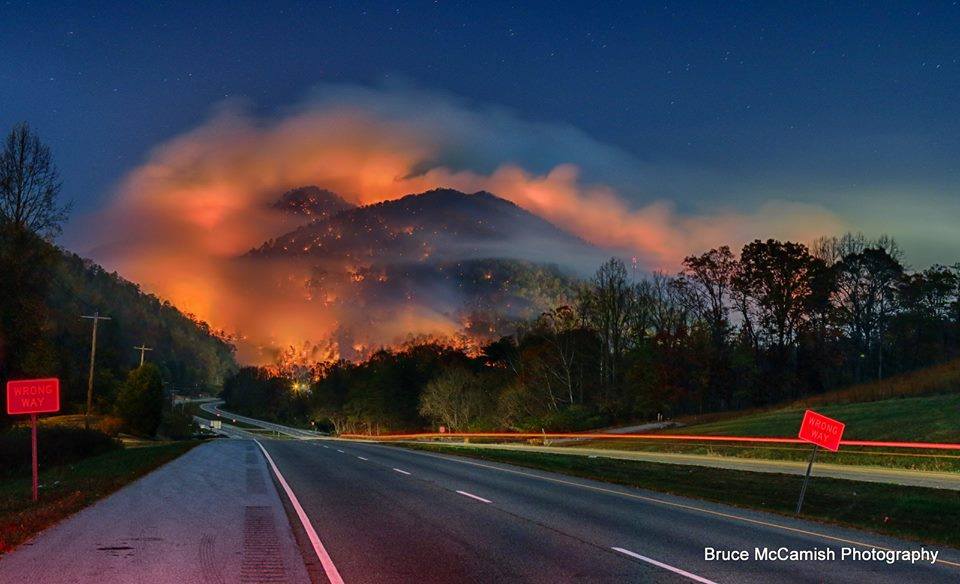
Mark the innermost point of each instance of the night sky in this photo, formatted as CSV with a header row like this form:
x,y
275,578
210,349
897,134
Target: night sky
x,y
850,106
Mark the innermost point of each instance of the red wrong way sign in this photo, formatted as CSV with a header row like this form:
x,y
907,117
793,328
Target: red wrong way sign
x,y
821,430
33,396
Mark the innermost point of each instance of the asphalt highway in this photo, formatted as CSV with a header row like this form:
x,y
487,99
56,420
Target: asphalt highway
x,y
874,474
376,513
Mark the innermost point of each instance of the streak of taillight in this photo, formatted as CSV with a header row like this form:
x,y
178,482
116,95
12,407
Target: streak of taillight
x,y
685,437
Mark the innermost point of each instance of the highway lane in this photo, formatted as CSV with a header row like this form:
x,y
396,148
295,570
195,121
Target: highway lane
x,y
386,514
875,474
871,474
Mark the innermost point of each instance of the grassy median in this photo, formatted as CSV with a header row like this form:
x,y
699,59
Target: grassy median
x,y
927,515
66,489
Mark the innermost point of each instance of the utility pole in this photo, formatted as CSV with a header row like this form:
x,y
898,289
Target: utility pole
x,y
96,318
143,349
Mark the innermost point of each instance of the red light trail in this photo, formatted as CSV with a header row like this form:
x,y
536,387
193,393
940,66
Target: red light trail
x,y
684,437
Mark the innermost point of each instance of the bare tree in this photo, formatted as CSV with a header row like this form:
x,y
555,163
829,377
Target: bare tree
x,y
833,249
558,327
29,184
607,307
712,275
456,398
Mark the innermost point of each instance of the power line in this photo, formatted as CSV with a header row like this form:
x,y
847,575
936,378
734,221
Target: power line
x,y
143,349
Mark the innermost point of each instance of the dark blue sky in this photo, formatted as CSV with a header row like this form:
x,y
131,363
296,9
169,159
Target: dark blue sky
x,y
851,105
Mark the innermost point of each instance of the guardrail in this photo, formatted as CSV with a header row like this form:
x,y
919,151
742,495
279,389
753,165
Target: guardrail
x,y
213,408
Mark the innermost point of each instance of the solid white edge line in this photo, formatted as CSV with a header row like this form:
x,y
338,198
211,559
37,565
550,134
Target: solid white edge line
x,y
401,471
693,577
328,566
472,496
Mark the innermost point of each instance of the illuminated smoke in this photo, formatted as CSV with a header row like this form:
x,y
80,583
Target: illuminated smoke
x,y
177,222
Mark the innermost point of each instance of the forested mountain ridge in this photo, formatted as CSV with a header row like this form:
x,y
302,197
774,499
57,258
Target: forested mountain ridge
x,y
312,202
436,224
462,264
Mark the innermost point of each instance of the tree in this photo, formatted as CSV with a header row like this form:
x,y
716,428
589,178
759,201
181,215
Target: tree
x,y
28,210
329,396
712,274
865,293
775,289
29,184
558,328
457,398
779,277
140,401
607,308
711,278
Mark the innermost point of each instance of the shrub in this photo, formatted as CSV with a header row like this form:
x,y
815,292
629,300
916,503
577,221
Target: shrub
x,y
177,425
56,445
140,401
110,425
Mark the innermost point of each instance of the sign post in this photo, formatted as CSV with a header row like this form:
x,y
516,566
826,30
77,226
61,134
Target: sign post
x,y
33,396
820,431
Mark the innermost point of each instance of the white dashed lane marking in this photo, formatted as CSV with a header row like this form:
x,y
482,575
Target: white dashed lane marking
x,y
693,577
472,496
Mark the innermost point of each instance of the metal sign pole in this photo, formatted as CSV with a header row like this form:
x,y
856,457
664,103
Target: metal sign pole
x,y
33,440
803,489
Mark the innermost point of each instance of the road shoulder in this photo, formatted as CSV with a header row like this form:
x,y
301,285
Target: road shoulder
x,y
212,515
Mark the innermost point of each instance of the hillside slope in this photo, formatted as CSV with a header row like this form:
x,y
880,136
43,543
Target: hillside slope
x,y
922,405
44,334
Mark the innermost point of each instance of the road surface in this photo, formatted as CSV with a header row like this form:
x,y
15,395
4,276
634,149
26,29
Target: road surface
x,y
213,407
211,516
873,474
386,514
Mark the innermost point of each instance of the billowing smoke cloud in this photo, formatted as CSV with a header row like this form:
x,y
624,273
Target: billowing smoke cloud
x,y
178,221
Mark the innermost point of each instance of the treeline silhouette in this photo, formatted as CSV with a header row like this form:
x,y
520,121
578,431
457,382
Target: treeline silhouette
x,y
778,321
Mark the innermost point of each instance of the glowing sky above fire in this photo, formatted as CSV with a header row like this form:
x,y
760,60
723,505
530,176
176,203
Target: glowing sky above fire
x,y
851,108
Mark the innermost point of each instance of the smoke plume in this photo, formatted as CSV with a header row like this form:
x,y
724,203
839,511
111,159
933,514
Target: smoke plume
x,y
178,222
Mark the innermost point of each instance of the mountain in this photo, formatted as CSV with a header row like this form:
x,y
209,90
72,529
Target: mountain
x,y
442,259
312,202
442,224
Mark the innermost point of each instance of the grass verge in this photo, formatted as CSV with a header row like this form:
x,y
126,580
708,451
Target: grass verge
x,y
922,460
927,515
66,489
920,419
